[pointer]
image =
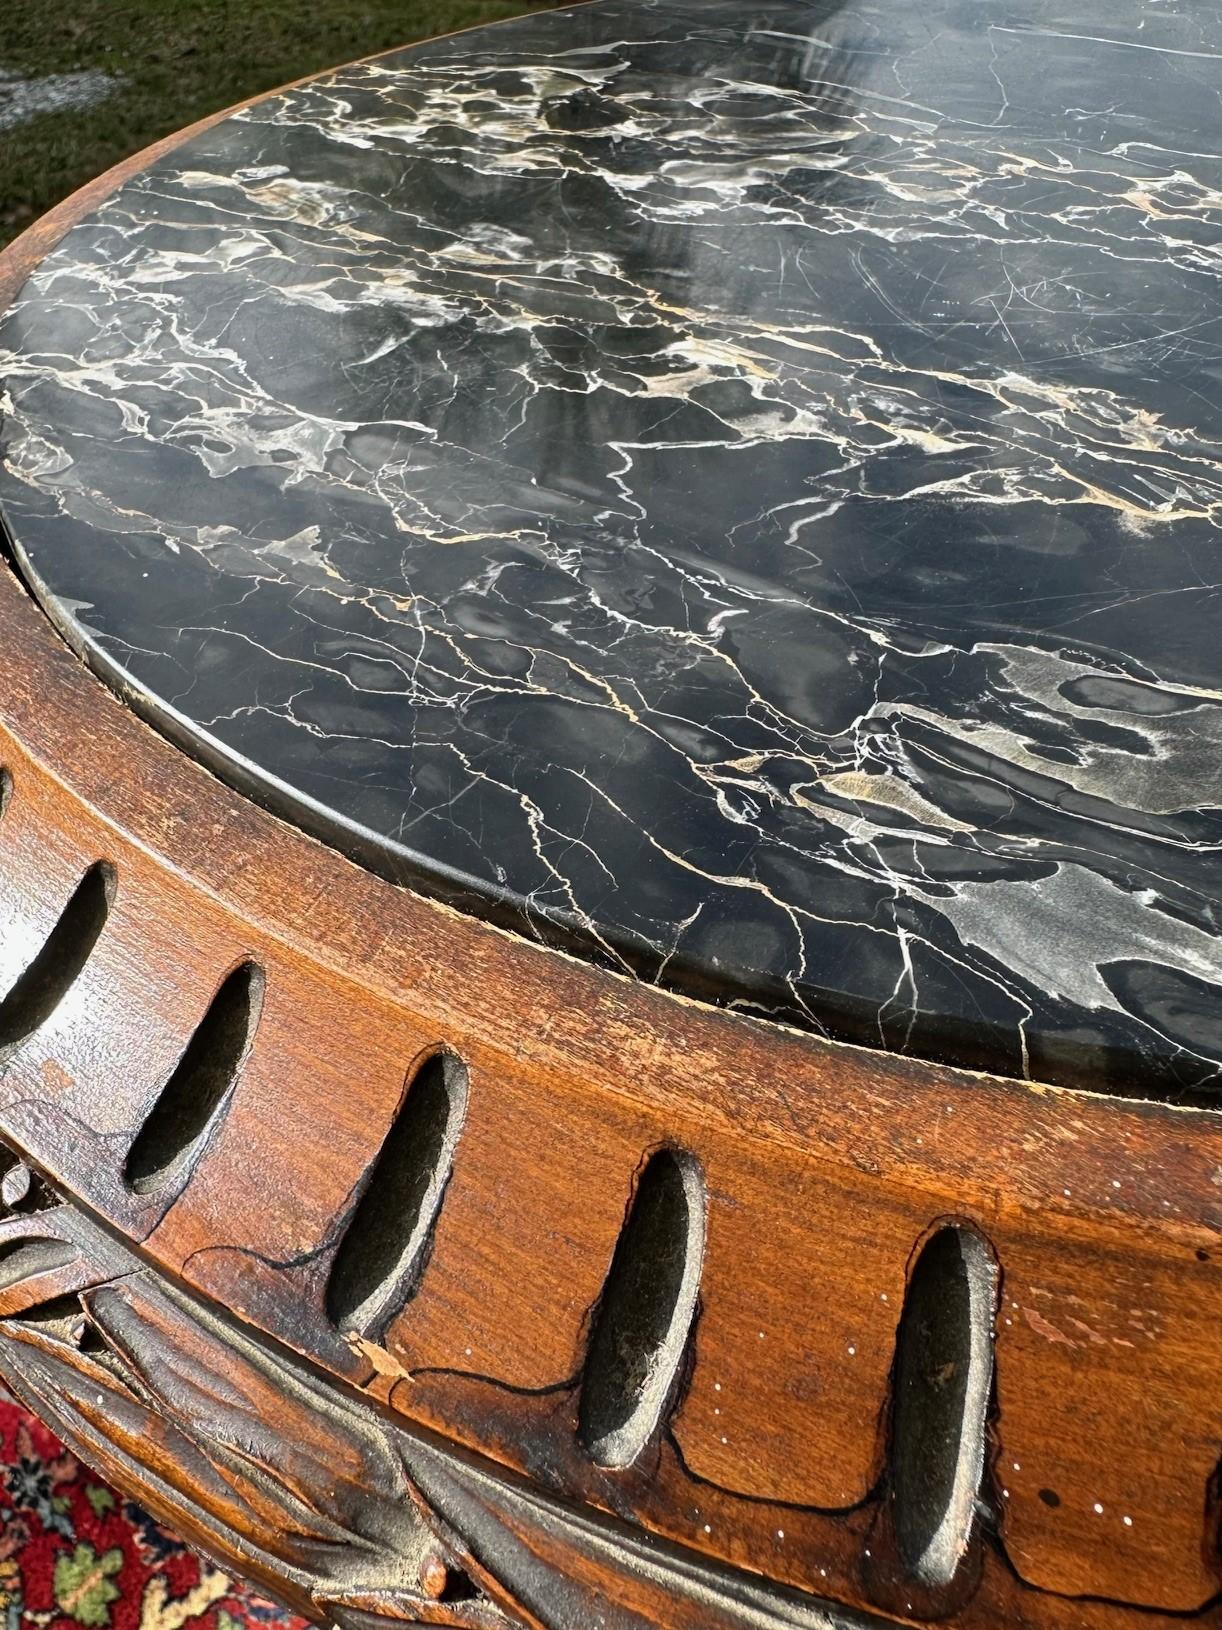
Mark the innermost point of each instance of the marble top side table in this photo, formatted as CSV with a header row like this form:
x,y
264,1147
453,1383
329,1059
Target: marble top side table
x,y
611,754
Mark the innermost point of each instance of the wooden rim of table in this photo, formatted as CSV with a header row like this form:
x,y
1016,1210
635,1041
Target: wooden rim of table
x,y
825,1168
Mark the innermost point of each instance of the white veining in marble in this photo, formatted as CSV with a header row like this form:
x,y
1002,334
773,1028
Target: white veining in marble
x,y
731,489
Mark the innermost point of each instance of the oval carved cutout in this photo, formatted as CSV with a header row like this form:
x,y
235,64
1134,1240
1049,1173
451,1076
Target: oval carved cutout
x,y
385,1247
39,990
195,1099
943,1383
645,1313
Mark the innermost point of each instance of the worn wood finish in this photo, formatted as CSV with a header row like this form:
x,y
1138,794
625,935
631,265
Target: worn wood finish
x,y
812,1176
342,1512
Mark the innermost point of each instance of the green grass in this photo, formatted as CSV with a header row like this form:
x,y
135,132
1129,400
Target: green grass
x,y
179,60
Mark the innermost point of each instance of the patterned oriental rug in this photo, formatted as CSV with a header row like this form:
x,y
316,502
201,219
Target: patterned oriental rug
x,y
75,1553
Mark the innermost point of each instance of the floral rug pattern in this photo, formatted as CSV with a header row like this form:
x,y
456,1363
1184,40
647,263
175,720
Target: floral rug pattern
x,y
73,1552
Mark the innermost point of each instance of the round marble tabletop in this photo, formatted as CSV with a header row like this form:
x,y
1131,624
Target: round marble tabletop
x,y
730,489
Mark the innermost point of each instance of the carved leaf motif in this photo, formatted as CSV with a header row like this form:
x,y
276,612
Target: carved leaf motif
x,y
228,1440
312,1492
50,1254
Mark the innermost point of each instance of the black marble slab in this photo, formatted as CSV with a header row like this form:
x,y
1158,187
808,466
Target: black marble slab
x,y
729,488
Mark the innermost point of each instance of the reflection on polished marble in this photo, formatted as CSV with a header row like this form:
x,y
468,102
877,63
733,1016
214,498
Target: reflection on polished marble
x,y
731,489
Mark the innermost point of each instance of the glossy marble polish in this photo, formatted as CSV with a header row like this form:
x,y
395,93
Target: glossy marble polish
x,y
732,489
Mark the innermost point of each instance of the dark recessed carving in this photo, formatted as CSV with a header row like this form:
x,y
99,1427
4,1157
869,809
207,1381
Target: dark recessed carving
x,y
25,1258
196,1096
47,980
349,1516
943,1382
645,1312
386,1244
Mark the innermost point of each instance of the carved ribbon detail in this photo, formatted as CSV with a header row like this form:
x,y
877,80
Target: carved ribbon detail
x,y
302,1486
